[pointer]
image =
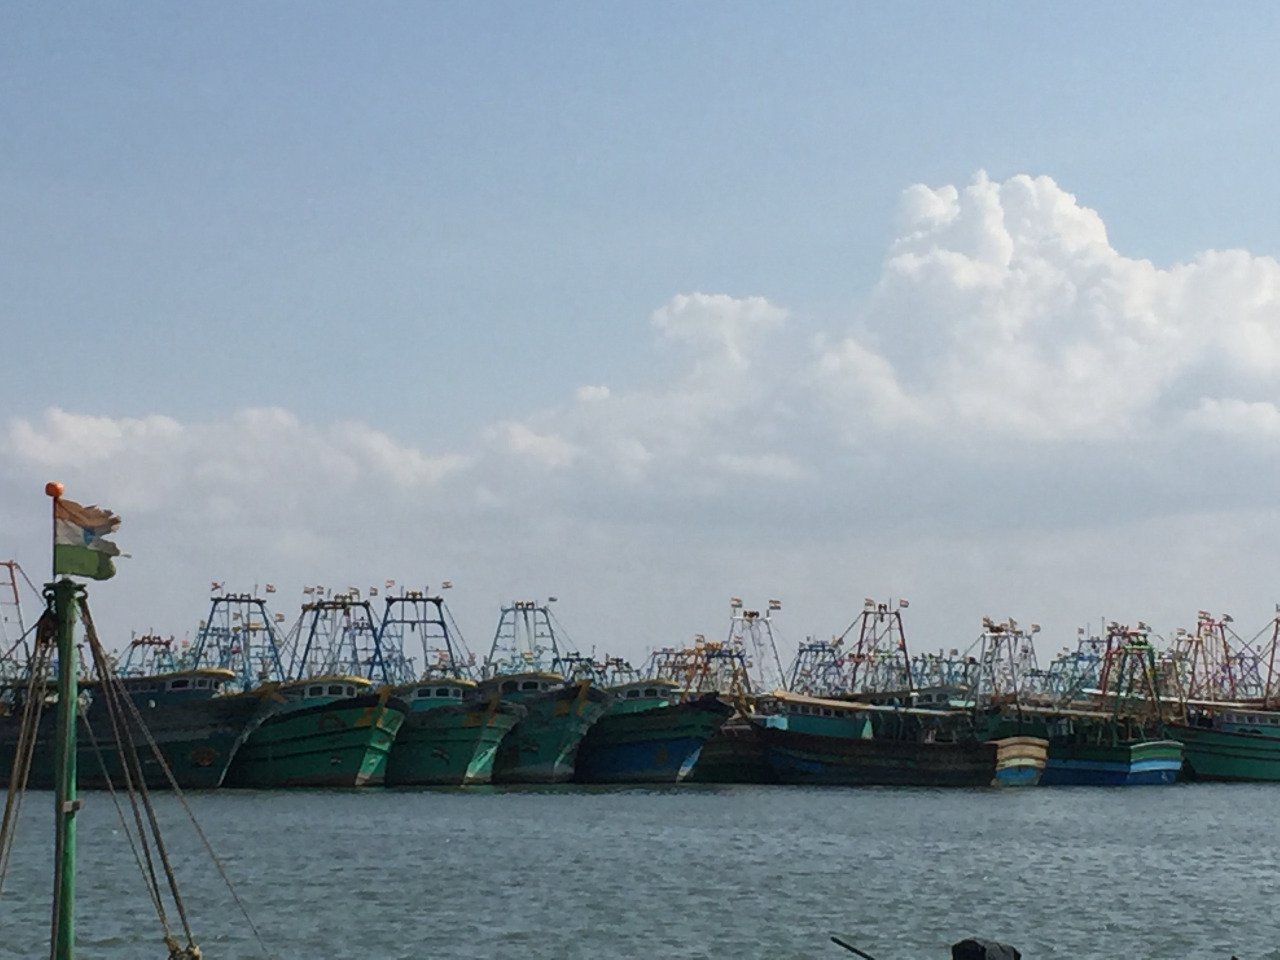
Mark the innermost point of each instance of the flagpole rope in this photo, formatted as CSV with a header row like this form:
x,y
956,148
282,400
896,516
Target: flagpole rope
x,y
32,709
115,695
133,711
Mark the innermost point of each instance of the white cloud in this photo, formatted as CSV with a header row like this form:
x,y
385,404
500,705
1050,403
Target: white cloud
x,y
1018,411
1003,309
549,449
1240,418
728,328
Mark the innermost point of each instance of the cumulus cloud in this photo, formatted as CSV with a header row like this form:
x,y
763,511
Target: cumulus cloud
x,y
727,328
1002,308
1016,407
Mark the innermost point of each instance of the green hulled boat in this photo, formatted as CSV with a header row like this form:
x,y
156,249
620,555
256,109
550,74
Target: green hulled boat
x,y
331,731
648,735
543,746
197,729
556,687
450,736
1234,742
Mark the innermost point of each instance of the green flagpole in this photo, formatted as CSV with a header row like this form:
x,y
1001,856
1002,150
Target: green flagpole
x,y
65,596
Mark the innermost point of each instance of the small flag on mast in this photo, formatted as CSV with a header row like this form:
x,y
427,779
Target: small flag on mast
x,y
80,547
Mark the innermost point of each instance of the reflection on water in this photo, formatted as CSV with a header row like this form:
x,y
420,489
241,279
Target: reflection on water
x,y
683,872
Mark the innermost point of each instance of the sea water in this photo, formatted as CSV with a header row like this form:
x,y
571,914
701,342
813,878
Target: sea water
x,y
680,872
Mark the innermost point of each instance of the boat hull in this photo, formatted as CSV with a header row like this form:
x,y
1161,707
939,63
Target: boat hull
x,y
198,739
452,745
659,745
1210,754
1020,761
1149,762
341,743
543,746
734,754
804,758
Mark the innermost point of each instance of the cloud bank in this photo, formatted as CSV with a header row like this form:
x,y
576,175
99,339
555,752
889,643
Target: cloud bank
x,y
1018,419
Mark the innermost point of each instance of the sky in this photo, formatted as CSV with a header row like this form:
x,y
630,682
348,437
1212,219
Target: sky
x,y
648,305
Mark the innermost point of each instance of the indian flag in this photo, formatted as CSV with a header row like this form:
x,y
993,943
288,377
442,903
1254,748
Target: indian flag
x,y
79,547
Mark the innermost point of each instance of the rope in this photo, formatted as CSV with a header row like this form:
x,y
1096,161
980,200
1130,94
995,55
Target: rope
x,y
204,838
32,708
113,688
153,889
176,952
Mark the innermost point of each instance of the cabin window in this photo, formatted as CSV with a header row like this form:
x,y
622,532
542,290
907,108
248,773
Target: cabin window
x,y
315,691
531,685
650,692
179,684
509,687
336,690
202,684
424,691
826,712
456,691
442,691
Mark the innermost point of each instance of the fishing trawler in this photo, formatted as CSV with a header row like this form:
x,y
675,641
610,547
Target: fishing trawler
x,y
527,665
735,753
451,734
1229,725
651,733
194,724
1102,712
877,732
332,727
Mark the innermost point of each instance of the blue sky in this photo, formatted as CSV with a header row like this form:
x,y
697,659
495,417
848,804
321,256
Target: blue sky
x,y
440,221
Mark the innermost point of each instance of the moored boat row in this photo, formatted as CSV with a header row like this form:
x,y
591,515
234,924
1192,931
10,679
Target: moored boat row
x,y
339,701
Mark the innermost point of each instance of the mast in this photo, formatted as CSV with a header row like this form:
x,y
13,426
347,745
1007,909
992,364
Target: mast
x,y
66,594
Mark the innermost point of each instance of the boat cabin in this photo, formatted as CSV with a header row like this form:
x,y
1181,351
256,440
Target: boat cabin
x,y
325,689
828,718
438,692
163,688
643,695
1261,723
522,686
